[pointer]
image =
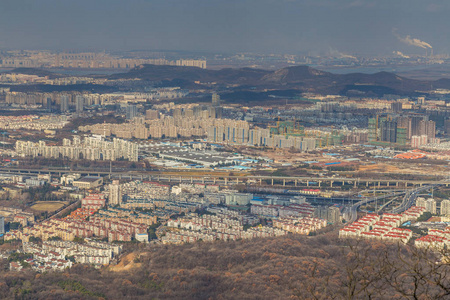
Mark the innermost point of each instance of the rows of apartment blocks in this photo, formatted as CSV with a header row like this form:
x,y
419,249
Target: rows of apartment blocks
x,y
166,126
65,100
242,135
32,122
91,251
67,230
43,262
118,213
156,130
137,190
183,203
299,225
25,79
145,190
223,227
431,207
208,221
17,215
226,234
383,228
435,239
40,252
90,148
92,61
163,209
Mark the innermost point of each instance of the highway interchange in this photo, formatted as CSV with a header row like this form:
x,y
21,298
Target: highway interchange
x,y
351,213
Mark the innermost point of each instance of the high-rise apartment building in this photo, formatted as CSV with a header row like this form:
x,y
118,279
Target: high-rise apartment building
x,y
79,103
151,114
420,202
64,105
447,127
427,128
331,214
389,131
445,207
2,224
215,100
417,141
115,193
430,206
396,107
131,111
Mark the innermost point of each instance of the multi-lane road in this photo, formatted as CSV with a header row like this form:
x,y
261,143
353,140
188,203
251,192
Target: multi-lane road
x,y
351,213
227,178
410,198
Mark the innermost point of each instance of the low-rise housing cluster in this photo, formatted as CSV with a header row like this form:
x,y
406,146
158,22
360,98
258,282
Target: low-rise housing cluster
x,y
227,226
68,229
435,239
91,251
32,122
118,213
385,227
12,214
40,262
299,225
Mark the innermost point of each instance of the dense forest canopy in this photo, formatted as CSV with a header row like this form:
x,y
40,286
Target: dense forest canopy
x,y
291,267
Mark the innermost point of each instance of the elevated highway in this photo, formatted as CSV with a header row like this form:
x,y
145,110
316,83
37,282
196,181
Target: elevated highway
x,y
229,178
407,202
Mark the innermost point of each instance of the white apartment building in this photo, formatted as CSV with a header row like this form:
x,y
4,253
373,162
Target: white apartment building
x,y
445,207
91,148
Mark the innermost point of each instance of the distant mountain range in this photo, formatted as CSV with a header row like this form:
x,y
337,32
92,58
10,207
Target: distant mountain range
x,y
298,78
302,78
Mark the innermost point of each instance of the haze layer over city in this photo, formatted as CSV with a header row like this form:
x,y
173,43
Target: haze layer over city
x,y
224,149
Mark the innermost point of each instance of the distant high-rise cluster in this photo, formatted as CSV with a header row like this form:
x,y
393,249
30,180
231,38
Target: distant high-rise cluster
x,y
238,132
414,129
283,135
86,60
91,148
187,122
102,60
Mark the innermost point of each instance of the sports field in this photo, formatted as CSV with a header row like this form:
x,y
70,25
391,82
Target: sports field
x,y
47,206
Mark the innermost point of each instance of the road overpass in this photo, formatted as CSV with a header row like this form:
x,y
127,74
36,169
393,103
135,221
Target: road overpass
x,y
225,179
408,201
352,214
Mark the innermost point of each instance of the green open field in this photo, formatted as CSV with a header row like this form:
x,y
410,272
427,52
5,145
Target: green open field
x,y
48,206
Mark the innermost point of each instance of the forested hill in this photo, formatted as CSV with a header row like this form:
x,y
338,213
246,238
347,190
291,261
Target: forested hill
x,y
291,267
302,78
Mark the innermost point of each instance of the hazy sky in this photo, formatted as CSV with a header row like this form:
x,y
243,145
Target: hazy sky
x,y
266,26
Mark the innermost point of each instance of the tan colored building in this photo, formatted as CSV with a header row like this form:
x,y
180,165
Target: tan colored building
x,y
88,182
